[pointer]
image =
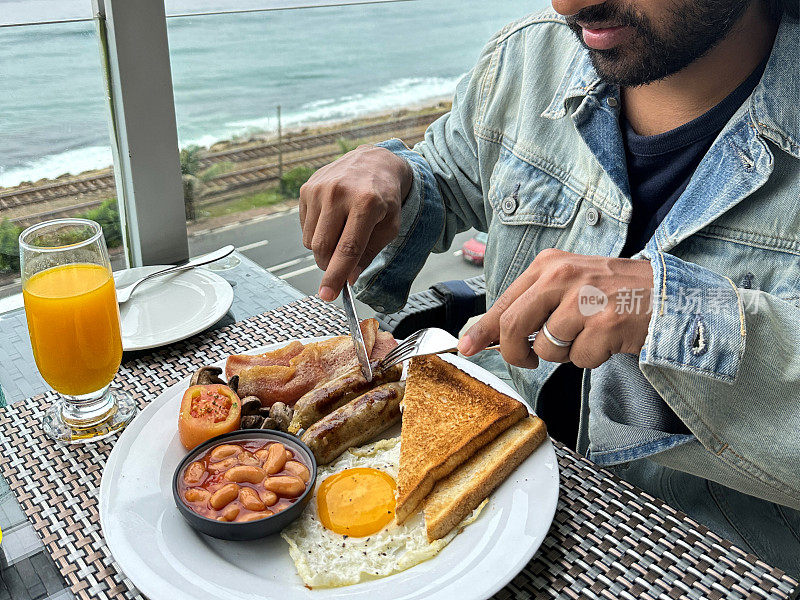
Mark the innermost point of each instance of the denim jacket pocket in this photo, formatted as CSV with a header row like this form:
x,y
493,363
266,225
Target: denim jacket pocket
x,y
531,210
521,193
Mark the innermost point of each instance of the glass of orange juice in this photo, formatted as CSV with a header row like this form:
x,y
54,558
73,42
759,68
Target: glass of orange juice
x,y
73,322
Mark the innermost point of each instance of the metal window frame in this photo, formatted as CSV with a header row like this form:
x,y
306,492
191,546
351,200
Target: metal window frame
x,y
144,134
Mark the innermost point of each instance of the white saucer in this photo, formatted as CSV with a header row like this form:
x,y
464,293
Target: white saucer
x,y
170,308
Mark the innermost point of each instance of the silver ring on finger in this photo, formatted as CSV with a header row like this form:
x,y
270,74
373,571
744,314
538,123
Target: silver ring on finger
x,y
553,339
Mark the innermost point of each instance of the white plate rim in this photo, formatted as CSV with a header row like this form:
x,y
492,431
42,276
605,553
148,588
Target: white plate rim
x,y
220,307
150,589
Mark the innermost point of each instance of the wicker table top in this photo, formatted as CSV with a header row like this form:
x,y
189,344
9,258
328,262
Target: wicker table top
x,y
608,539
27,571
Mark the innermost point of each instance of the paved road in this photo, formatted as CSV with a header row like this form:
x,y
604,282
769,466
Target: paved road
x,y
275,243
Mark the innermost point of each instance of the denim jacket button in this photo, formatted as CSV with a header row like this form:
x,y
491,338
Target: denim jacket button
x,y
509,205
612,102
592,216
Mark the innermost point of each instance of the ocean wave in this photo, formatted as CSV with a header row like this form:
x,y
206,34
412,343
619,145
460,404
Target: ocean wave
x,y
396,94
70,161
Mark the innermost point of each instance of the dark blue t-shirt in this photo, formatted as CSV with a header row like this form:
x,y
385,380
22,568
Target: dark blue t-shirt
x,y
660,166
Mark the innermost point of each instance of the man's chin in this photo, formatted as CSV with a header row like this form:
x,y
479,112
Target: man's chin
x,y
623,67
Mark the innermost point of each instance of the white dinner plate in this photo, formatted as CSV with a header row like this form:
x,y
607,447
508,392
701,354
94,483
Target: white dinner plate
x,y
170,308
168,560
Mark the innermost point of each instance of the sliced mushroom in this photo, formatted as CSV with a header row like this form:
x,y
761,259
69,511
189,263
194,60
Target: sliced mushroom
x,y
282,415
233,383
264,411
251,406
252,422
269,423
207,375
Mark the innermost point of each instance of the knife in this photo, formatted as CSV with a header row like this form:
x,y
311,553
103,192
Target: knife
x,y
355,331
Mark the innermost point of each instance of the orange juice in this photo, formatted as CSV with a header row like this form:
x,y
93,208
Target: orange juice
x,y
73,320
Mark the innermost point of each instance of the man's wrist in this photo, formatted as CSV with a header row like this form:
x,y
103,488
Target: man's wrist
x,y
404,174
400,166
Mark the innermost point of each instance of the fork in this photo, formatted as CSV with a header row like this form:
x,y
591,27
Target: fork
x,y
431,340
124,293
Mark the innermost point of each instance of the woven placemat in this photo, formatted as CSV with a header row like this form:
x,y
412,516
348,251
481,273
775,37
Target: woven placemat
x,y
608,539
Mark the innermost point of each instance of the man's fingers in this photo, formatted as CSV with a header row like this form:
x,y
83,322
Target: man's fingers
x,y
355,275
326,235
565,323
480,335
588,350
525,316
487,330
347,254
515,326
309,223
382,235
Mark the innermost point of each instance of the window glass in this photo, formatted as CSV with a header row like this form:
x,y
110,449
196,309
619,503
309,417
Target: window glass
x,y
339,75
183,7
55,154
39,11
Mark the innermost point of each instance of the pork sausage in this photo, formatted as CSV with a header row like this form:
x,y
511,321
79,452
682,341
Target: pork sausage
x,y
356,422
329,396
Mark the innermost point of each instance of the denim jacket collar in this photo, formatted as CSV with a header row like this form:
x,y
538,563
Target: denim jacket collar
x,y
771,114
774,109
579,81
773,104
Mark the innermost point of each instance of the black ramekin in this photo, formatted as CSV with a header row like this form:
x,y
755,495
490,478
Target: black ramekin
x,y
253,529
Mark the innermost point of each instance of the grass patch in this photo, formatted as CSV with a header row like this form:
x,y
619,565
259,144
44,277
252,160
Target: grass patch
x,y
250,201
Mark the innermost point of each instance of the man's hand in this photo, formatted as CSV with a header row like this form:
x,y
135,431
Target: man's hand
x,y
555,290
350,210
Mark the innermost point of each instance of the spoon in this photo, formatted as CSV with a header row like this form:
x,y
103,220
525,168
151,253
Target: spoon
x,y
124,293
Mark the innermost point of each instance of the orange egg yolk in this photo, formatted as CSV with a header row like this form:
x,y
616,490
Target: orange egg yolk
x,y
356,502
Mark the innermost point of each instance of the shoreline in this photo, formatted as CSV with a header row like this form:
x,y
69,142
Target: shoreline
x,y
261,137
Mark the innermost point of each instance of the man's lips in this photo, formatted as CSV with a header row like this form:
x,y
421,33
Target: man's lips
x,y
604,37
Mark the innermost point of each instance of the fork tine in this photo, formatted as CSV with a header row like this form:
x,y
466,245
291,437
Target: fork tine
x,y
412,338
405,344
386,364
398,357
397,351
403,350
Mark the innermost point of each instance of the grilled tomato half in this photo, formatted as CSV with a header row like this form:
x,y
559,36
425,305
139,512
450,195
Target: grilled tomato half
x,y
207,411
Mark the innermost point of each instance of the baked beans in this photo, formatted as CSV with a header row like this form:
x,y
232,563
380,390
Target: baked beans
x,y
243,481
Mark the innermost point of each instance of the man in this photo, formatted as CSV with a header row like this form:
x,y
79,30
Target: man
x,y
625,155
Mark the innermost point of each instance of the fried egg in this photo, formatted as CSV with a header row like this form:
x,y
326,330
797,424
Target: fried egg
x,y
347,533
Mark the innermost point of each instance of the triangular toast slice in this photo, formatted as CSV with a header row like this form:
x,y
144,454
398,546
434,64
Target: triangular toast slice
x,y
447,416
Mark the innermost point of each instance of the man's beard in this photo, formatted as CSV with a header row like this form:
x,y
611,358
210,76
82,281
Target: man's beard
x,y
652,54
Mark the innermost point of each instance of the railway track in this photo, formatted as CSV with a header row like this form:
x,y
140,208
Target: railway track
x,y
220,187
104,181
301,143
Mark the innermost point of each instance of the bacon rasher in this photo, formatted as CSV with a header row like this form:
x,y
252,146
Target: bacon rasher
x,y
285,374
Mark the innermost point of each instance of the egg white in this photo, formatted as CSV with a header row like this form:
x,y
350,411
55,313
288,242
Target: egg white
x,y
327,559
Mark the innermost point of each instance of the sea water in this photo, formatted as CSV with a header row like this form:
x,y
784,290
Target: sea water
x,y
231,71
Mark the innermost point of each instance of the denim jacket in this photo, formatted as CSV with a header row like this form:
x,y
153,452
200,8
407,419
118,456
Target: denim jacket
x,y
532,153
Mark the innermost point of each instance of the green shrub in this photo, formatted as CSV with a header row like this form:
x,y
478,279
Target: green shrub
x,y
346,145
219,168
294,179
190,160
107,215
9,246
